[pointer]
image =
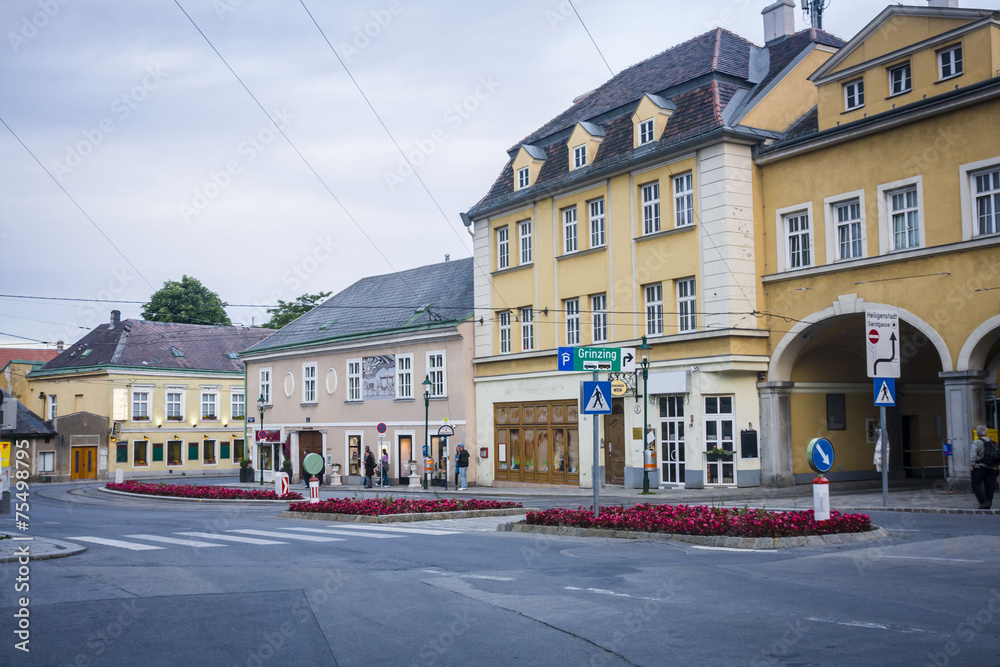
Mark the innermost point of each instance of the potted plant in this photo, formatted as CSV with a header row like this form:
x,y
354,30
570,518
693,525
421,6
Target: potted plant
x,y
719,454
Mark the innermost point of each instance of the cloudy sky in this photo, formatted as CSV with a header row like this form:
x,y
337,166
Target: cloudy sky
x,y
160,162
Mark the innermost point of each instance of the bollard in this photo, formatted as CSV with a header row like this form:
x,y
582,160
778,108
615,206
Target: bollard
x,y
119,476
280,483
313,490
821,498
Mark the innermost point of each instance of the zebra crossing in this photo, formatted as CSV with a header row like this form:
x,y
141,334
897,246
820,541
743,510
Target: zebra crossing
x,y
335,532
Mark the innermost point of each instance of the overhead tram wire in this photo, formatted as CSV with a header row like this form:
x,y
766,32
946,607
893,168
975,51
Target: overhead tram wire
x,y
592,41
77,204
295,148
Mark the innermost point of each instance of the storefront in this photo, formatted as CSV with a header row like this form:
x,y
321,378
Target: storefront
x,y
537,442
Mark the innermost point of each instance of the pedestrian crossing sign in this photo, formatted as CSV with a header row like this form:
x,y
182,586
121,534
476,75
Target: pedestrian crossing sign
x,y
885,391
596,398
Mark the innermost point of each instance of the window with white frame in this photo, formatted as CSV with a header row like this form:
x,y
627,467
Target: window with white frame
x,y
208,453
986,190
140,404
354,379
237,404
950,62
899,79
580,156
265,385
527,329
309,382
175,404
140,453
654,309
719,423
651,208
645,131
572,308
522,178
904,220
503,321
569,229
854,94
596,223
847,217
53,407
798,241
46,462
524,231
503,249
436,373
404,376
683,200
599,316
209,404
687,305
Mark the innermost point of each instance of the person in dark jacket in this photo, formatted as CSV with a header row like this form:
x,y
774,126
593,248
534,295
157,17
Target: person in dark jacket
x,y
463,467
369,468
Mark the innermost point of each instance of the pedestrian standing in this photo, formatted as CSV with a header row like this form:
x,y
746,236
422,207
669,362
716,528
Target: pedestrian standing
x,y
985,458
385,467
369,468
463,467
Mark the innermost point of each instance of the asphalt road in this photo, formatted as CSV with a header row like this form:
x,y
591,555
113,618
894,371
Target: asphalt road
x,y
463,594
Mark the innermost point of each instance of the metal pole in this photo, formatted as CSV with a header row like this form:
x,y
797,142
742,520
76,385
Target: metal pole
x,y
885,459
645,425
427,438
597,454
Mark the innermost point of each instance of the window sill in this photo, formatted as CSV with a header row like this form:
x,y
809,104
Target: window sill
x,y
900,93
357,402
309,404
852,110
403,399
663,233
581,253
512,269
948,78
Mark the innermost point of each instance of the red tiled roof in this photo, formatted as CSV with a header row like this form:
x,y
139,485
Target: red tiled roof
x,y
8,354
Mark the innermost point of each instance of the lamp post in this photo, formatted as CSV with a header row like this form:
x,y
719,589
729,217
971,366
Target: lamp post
x,y
427,438
260,453
645,348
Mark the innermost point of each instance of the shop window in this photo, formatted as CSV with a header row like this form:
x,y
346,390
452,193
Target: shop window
x,y
239,450
174,449
208,453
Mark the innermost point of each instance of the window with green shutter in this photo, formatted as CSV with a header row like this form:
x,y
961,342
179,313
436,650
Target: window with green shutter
x,y
121,453
224,450
157,451
192,451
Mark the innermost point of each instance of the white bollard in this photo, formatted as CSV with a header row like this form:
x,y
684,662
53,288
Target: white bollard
x,y
119,476
821,498
280,483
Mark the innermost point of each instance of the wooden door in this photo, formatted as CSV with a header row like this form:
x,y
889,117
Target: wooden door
x,y
310,442
84,463
614,445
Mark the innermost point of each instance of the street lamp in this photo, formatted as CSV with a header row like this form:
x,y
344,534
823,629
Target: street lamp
x,y
427,438
644,350
260,453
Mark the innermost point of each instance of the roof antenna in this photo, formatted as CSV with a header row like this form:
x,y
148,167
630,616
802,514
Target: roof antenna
x,y
813,9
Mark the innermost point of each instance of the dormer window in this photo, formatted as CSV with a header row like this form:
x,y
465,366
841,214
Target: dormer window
x,y
645,131
900,80
854,94
522,178
950,62
580,156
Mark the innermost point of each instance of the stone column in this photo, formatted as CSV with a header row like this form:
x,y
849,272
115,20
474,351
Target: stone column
x,y
776,434
964,409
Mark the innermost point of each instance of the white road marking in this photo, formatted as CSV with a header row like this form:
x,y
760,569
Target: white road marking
x,y
951,560
288,536
332,531
484,576
174,540
115,543
863,624
394,529
232,538
734,549
603,591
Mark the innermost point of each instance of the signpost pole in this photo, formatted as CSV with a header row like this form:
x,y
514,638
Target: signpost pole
x,y
885,459
597,453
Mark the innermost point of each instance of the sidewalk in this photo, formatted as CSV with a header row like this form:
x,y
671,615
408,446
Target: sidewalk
x,y
38,548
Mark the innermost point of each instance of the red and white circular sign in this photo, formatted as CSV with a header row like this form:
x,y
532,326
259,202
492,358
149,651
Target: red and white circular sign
x,y
873,336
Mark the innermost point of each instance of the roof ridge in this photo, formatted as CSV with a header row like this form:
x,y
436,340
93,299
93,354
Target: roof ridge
x,y
718,48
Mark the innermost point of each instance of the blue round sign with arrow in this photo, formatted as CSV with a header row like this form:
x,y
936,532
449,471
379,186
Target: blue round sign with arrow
x,y
820,455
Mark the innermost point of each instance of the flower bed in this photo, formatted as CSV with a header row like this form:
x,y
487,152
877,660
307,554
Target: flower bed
x,y
381,506
701,520
200,492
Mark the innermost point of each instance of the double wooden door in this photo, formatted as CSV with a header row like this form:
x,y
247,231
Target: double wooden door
x,y
84,463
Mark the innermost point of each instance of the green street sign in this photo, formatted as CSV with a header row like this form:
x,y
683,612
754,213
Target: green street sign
x,y
604,359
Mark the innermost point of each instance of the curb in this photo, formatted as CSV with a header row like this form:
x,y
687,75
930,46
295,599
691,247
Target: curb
x,y
397,518
196,500
702,540
924,510
65,549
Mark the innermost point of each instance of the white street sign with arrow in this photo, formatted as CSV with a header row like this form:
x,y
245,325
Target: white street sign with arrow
x,y
882,343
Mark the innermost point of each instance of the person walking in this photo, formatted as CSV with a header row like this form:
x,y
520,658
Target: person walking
x,y
985,458
384,461
463,467
369,468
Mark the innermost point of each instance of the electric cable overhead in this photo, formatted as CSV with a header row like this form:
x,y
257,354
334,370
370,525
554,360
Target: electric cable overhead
x,y
580,18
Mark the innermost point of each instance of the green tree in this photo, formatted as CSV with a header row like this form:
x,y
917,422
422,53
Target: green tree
x,y
286,311
186,302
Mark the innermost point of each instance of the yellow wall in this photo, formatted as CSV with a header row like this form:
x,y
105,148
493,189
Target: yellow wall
x,y
897,33
790,99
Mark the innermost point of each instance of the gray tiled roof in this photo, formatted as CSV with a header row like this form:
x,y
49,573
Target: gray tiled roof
x,y
163,345
28,423
428,296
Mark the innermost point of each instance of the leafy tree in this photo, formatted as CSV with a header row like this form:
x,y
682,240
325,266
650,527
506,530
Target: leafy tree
x,y
286,311
186,302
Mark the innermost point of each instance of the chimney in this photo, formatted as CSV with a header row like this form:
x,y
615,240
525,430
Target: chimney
x,y
943,3
59,346
116,317
779,20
